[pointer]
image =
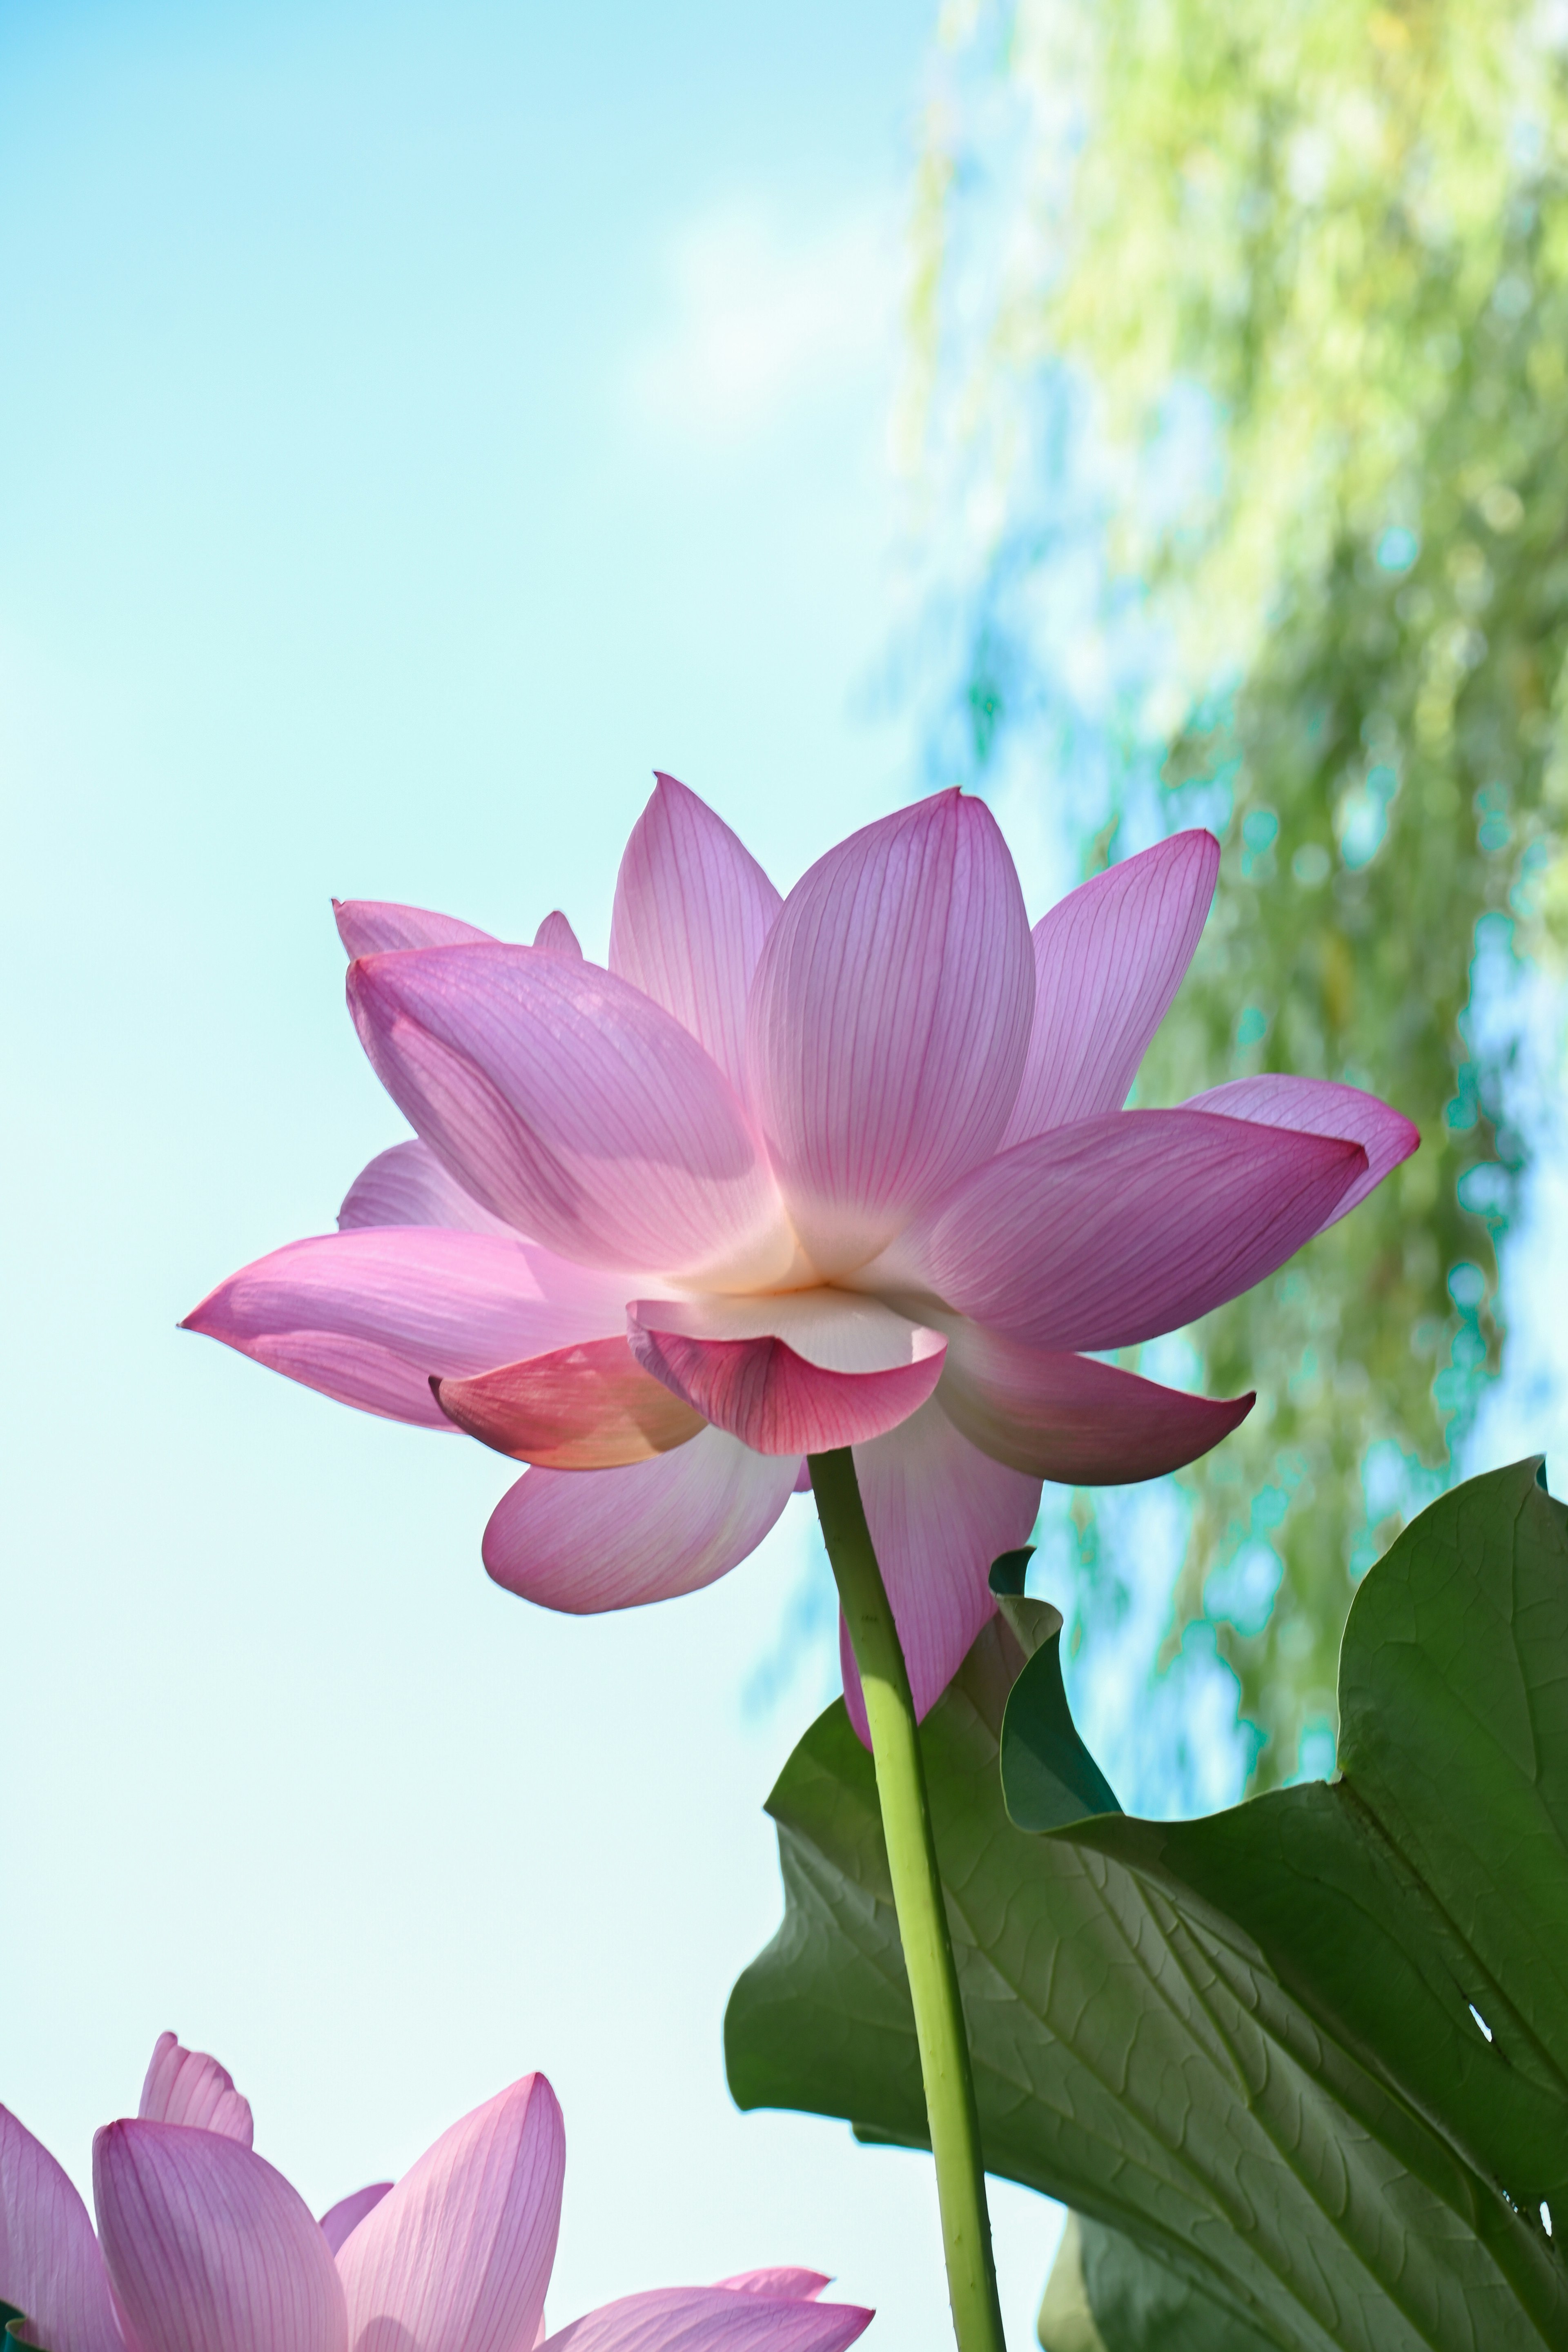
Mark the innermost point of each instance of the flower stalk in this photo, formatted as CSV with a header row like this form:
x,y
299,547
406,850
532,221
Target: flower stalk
x,y
940,2030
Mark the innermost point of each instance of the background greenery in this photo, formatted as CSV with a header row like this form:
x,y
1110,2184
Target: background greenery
x,y
1249,319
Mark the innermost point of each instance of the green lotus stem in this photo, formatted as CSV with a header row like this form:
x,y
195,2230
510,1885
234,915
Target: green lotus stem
x,y
951,2109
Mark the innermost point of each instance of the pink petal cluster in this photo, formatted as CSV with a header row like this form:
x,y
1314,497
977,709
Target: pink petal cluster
x,y
203,2247
850,1168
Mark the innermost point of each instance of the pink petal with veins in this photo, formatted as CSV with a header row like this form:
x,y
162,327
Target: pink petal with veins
x,y
370,1316
50,2267
379,927
1071,1419
1317,1106
586,1540
555,934
208,2249
1115,1228
789,2285
940,1512
889,1022
1108,961
408,1185
340,2221
712,2319
186,2086
457,2257
571,1105
692,910
591,1407
765,1391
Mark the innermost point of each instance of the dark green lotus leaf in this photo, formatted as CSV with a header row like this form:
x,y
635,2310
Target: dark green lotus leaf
x,y
1454,1731
1249,2045
1008,1572
1048,1777
1106,2295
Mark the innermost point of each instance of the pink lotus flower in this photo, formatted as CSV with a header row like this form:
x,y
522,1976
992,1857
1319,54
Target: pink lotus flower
x,y
847,1169
203,2247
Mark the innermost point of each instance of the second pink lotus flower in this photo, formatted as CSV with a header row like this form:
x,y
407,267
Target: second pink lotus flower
x,y
203,2247
846,1169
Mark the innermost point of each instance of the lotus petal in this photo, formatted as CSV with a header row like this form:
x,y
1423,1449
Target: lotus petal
x,y
208,2249
792,1374
378,927
692,910
557,935
591,1407
50,2267
1317,1106
939,1513
408,1185
586,1540
791,2285
712,2319
1108,961
1070,1418
370,1316
186,2086
570,1103
456,2256
340,2221
1115,1228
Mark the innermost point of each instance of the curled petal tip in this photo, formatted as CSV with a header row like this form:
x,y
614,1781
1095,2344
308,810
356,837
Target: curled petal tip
x,y
375,926
188,2086
785,2282
850,1377
1323,1108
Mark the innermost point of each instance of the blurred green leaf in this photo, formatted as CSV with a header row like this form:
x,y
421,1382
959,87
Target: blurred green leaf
x,y
1311,2054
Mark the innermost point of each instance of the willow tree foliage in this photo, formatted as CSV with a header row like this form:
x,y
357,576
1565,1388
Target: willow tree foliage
x,y
1250,318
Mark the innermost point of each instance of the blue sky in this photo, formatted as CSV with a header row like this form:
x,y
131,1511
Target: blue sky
x,y
419,424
